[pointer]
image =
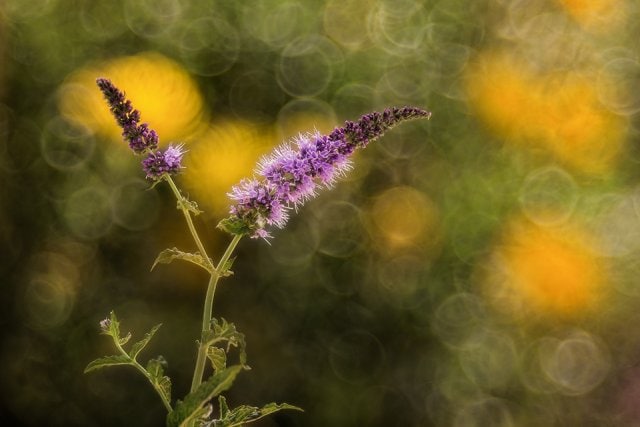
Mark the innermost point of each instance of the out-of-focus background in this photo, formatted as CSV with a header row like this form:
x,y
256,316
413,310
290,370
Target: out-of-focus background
x,y
478,269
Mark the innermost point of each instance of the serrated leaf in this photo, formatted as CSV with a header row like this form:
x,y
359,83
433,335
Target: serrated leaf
x,y
137,347
114,326
194,403
168,255
218,358
189,205
114,330
124,339
107,361
155,368
224,408
245,414
223,331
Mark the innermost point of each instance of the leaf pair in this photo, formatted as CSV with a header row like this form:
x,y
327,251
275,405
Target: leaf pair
x,y
196,406
169,255
155,367
223,332
111,327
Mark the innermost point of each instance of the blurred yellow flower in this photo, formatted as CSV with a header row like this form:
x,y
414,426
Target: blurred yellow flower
x,y
404,217
597,15
224,155
168,99
548,270
557,112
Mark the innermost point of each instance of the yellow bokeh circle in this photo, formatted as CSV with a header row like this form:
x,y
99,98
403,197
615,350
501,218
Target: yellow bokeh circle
x,y
224,155
559,113
546,270
167,97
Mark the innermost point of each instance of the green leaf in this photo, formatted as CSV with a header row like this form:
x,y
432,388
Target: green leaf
x,y
107,361
224,409
189,205
226,268
223,331
194,403
234,225
218,358
125,339
137,347
113,330
155,368
245,414
168,255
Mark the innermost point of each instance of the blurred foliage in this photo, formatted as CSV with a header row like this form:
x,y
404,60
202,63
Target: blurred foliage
x,y
479,269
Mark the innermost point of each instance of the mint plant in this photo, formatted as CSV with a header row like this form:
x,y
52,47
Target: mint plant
x,y
283,181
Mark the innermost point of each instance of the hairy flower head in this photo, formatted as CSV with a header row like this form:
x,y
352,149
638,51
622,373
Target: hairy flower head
x,y
293,172
158,163
256,207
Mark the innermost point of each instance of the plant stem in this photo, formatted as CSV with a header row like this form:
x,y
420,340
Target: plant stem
x,y
187,217
207,313
217,272
144,372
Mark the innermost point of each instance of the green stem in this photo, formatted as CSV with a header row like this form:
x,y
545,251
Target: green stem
x,y
144,372
207,313
217,272
187,217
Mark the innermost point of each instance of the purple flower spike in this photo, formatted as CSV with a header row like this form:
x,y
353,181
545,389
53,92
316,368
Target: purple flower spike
x,y
139,136
292,173
371,126
158,163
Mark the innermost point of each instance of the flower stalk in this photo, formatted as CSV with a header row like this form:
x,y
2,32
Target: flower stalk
x,y
286,179
183,205
161,166
207,313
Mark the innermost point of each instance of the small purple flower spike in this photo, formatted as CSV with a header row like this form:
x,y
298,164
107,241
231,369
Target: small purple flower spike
x,y
292,173
139,136
159,163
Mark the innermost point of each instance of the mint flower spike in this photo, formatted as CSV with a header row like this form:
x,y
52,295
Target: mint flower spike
x,y
293,173
139,136
141,139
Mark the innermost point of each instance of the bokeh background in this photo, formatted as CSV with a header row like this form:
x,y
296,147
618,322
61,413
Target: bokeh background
x,y
478,269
